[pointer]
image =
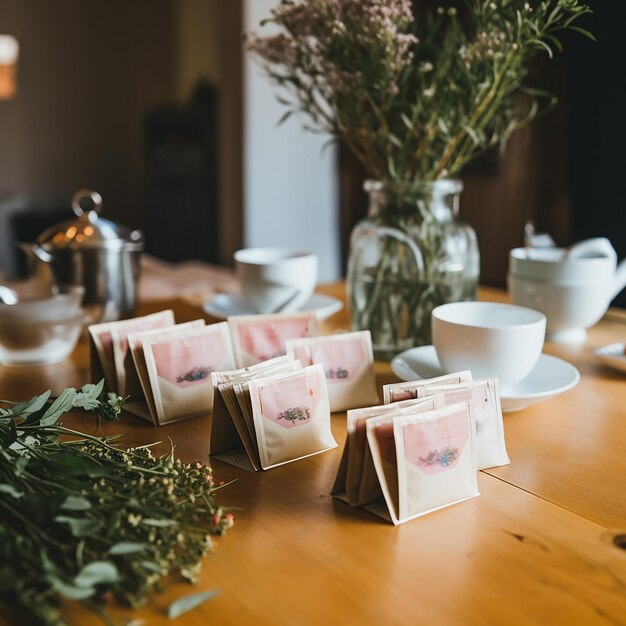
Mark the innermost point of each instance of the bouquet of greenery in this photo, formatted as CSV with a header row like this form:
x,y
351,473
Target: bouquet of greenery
x,y
83,519
415,95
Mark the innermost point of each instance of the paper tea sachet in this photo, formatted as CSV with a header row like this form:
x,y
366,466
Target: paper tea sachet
x,y
348,362
484,399
233,435
103,357
138,387
436,464
291,416
396,392
258,338
356,481
179,368
435,438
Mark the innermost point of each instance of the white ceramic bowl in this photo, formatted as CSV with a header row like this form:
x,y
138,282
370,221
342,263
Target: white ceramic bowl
x,y
492,340
276,280
569,307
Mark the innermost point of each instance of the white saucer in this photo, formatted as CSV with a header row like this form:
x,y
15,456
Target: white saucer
x,y
550,377
224,304
613,356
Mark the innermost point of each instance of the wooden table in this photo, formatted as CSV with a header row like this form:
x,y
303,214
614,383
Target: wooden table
x,y
537,547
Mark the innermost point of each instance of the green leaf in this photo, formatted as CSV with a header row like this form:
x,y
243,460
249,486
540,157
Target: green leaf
x,y
584,32
188,603
76,503
284,117
68,464
70,591
128,548
87,397
20,465
10,490
159,523
97,573
24,409
79,526
150,566
63,404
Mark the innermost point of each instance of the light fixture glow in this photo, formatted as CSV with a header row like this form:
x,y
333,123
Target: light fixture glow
x,y
9,54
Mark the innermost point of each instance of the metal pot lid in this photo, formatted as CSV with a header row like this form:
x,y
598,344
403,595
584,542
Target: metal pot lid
x,y
89,230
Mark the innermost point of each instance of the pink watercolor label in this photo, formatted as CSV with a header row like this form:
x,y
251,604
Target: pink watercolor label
x,y
186,361
291,402
437,445
386,443
398,395
478,399
137,326
266,339
340,358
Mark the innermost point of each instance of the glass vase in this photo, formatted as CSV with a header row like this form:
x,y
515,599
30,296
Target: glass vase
x,y
409,255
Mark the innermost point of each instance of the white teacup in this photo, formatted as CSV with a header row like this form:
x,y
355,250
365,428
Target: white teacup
x,y
492,340
276,280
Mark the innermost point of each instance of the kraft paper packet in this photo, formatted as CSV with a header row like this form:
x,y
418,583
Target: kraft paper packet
x,y
348,362
484,399
291,416
141,401
409,451
397,392
357,482
231,440
257,338
179,370
103,359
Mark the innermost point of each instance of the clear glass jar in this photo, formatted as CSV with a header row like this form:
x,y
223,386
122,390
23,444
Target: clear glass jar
x,y
408,256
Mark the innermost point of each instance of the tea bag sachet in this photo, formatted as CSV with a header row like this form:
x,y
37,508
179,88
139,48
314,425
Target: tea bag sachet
x,y
233,438
436,464
104,362
179,368
291,416
348,362
258,338
141,401
396,392
357,482
484,400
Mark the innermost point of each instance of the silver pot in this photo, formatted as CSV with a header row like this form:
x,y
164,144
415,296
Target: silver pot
x,y
93,252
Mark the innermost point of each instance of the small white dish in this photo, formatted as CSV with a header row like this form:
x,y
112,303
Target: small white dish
x,y
223,305
549,378
613,356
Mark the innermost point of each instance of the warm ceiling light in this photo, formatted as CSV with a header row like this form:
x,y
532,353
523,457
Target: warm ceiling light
x,y
9,53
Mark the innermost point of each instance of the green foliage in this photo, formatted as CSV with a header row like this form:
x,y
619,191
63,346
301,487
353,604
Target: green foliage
x,y
82,519
415,97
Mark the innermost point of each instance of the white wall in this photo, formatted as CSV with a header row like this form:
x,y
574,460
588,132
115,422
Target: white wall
x,y
291,186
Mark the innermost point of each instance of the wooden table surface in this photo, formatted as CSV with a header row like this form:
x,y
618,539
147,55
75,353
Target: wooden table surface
x,y
537,547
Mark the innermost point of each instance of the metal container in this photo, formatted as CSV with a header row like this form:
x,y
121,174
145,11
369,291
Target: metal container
x,y
93,252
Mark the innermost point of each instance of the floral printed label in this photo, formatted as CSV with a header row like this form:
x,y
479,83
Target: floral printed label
x,y
189,360
266,339
436,445
340,358
291,402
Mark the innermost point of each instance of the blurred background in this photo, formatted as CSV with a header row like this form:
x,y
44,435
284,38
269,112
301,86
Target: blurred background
x,y
154,104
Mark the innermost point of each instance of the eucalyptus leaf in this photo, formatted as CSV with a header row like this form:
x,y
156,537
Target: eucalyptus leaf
x,y
76,503
190,602
159,523
79,526
62,404
128,548
71,592
10,490
24,409
97,573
